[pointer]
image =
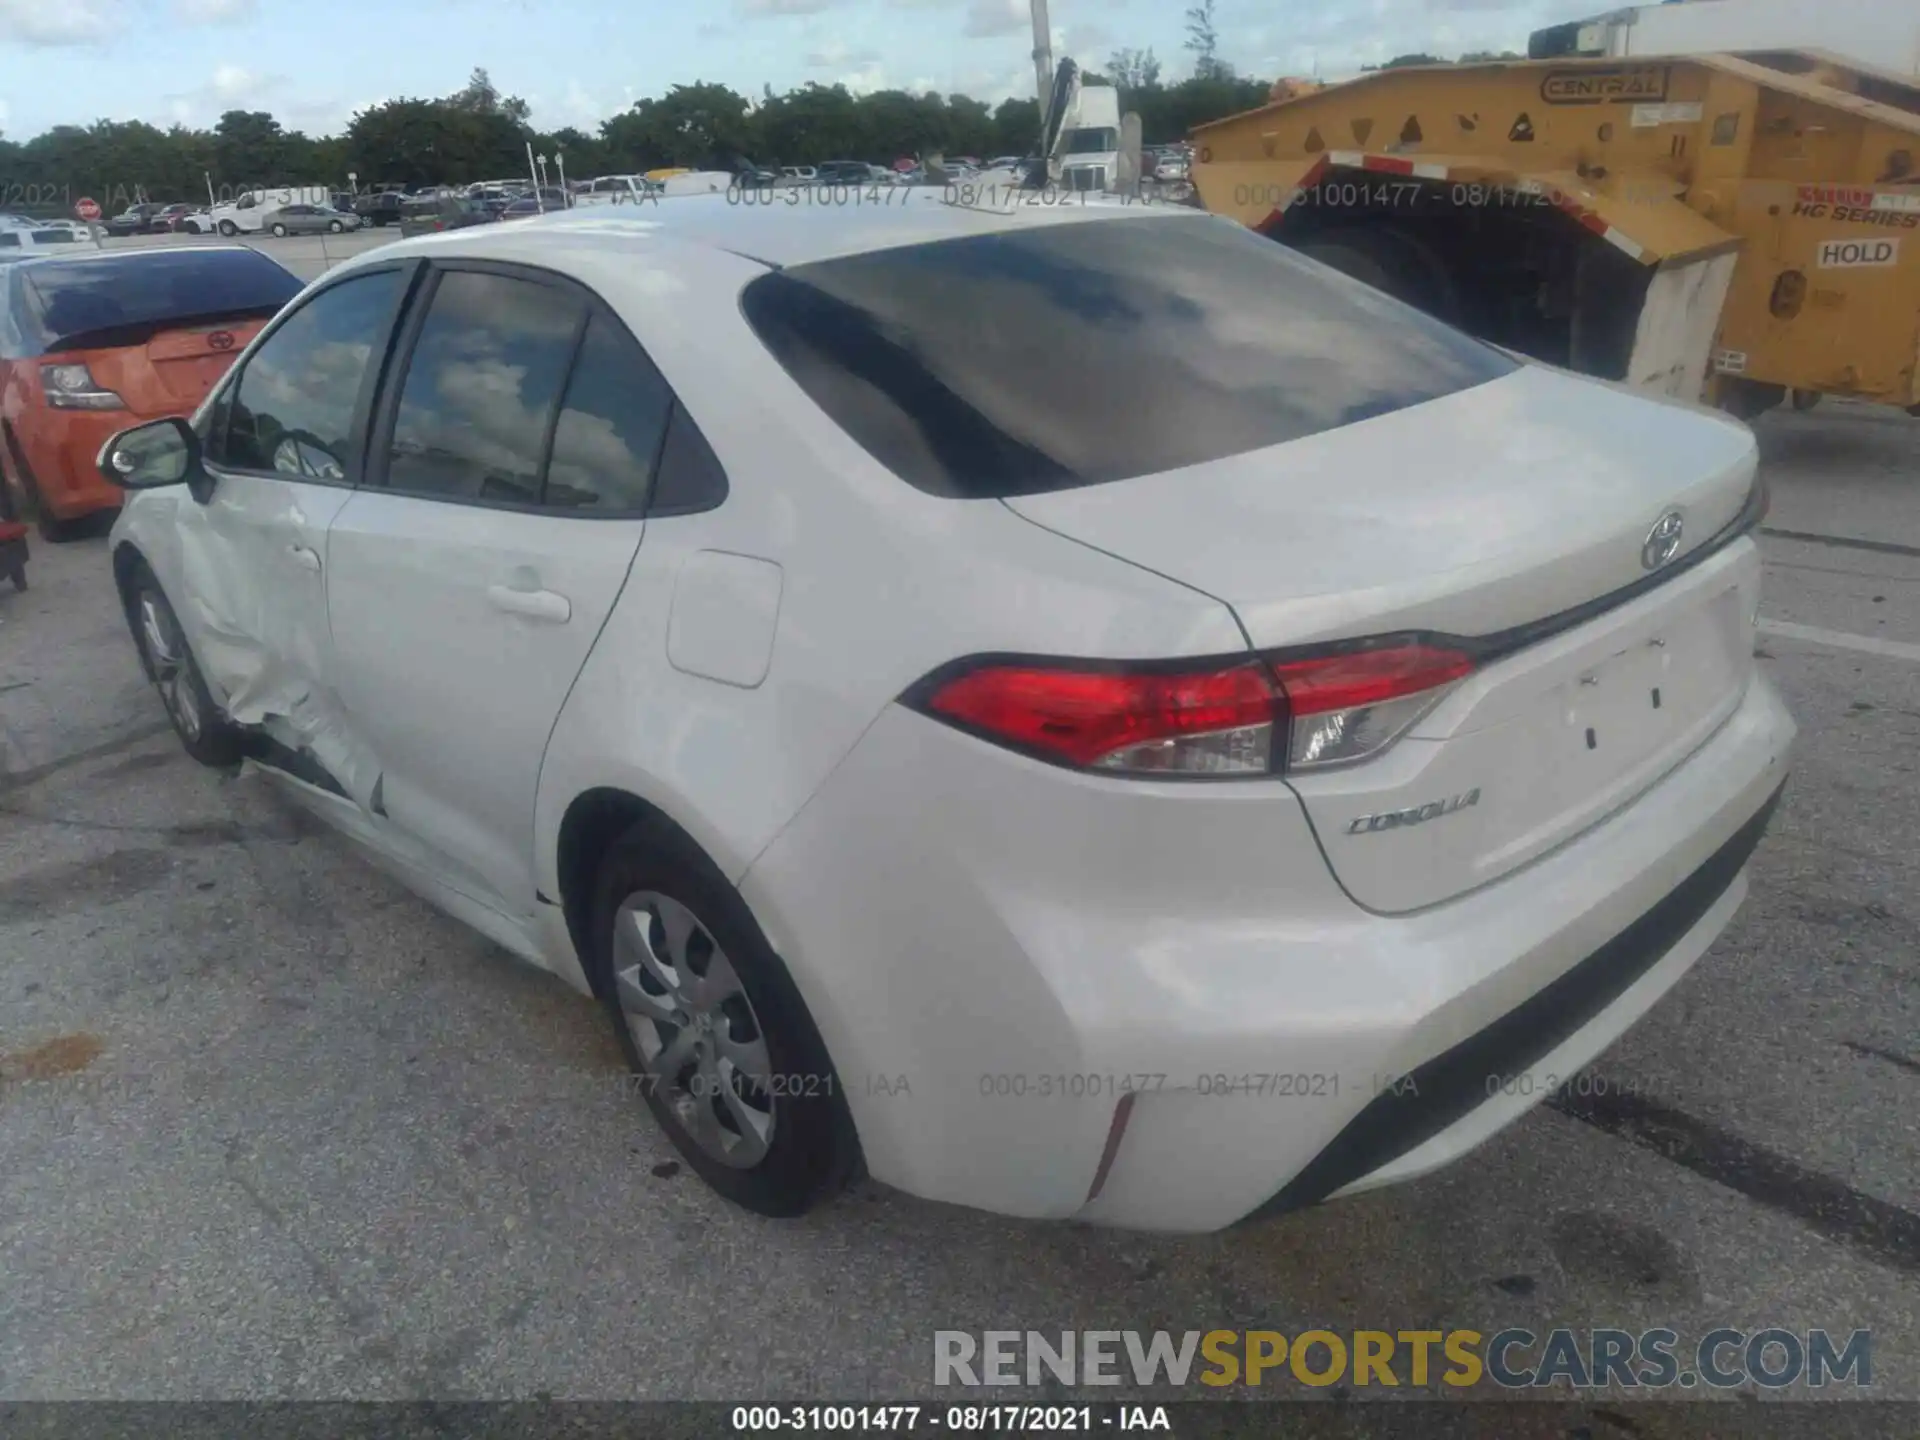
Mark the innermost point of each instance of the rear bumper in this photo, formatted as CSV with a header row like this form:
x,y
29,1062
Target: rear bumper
x,y
1004,957
61,447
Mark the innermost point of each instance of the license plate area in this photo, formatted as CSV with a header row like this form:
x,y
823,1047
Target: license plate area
x,y
1628,705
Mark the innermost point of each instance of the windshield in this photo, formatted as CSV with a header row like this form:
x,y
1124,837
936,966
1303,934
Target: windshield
x,y
1092,142
153,289
1071,354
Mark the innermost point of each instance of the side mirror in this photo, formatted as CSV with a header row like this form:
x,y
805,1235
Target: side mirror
x,y
159,453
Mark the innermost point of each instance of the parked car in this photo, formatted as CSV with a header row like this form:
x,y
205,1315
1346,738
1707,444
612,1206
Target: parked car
x,y
92,340
134,220
311,220
845,172
170,218
1315,738
21,242
197,221
426,214
383,208
522,210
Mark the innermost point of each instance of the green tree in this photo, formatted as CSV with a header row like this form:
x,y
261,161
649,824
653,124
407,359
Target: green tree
x,y
1016,127
249,147
703,125
1204,41
1134,71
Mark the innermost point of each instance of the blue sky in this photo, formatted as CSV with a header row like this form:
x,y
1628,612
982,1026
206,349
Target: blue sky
x,y
314,62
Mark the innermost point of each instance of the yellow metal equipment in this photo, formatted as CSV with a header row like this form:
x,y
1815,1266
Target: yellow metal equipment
x,y
1736,226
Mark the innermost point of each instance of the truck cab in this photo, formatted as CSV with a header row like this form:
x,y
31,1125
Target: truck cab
x,y
1090,140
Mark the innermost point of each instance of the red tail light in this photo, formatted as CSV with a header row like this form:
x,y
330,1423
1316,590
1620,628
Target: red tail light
x,y
1249,718
1209,722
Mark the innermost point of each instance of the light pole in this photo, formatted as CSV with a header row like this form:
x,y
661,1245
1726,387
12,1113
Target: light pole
x,y
1042,60
353,181
540,195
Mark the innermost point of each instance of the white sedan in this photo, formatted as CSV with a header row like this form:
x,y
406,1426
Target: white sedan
x,y
1082,711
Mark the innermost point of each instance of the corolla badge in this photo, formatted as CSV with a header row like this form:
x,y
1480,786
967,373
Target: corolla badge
x,y
1418,815
1662,542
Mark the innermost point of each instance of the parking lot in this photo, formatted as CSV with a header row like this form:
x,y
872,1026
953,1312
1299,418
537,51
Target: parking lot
x,y
308,256
272,1127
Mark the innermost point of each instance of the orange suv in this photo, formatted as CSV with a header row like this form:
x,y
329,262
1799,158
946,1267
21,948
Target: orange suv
x,y
92,343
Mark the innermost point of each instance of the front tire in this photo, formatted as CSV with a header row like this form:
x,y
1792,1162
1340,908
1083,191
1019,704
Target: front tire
x,y
714,1029
229,229
205,733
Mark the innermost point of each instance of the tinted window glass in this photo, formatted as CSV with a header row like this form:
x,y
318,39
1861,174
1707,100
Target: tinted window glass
x,y
690,476
1041,359
610,427
292,411
155,287
481,388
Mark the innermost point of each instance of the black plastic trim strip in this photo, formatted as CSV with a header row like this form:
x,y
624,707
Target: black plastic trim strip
x,y
1456,1082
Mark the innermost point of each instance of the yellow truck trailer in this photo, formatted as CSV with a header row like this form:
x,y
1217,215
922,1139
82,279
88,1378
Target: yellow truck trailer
x,y
1733,227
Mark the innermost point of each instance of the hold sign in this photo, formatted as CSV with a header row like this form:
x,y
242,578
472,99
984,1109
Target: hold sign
x,y
87,209
1855,254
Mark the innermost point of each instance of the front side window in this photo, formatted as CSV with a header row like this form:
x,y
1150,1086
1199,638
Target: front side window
x,y
292,411
481,389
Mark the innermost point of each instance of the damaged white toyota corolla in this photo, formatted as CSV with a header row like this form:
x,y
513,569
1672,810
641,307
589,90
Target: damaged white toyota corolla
x,y
1081,711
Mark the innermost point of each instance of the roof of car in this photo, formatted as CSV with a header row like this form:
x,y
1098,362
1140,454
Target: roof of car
x,y
781,234
57,255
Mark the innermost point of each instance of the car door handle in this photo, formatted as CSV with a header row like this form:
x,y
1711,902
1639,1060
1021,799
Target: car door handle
x,y
534,604
305,558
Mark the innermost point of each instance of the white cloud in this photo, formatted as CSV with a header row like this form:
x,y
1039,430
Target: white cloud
x,y
70,22
837,53
998,17
215,12
755,9
234,82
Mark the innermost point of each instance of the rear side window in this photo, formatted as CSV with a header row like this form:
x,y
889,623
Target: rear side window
x,y
611,426
482,387
1078,353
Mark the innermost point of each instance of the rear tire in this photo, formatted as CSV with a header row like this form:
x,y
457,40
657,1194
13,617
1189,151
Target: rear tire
x,y
714,1030
205,733
279,232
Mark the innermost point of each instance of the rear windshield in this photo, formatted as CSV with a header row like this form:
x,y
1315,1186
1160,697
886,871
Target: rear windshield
x,y
1072,354
159,287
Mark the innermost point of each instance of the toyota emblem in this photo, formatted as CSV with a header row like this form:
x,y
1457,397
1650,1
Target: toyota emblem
x,y
221,340
1662,542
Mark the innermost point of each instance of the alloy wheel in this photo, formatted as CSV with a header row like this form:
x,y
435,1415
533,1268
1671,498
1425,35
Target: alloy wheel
x,y
695,1028
167,652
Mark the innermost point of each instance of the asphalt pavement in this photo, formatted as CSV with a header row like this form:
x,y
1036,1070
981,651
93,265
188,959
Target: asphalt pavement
x,y
272,1127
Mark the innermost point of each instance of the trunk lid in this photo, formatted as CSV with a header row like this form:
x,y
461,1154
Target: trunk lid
x,y
173,370
1485,511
